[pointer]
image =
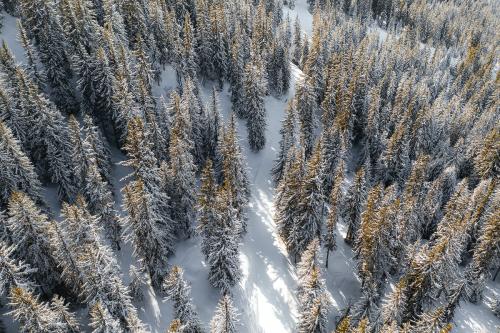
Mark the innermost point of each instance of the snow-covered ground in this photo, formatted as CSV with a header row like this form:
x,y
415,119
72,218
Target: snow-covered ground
x,y
265,297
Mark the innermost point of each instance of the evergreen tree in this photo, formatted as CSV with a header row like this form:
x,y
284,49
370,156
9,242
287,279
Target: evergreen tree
x,y
288,139
334,213
356,197
297,42
235,176
255,89
207,212
225,319
214,133
288,194
181,174
16,171
305,103
34,316
32,58
487,162
236,75
96,147
96,266
179,292
334,152
223,242
313,304
101,320
145,168
309,211
151,235
43,25
28,228
101,204
485,255
13,273
63,316
136,282
187,65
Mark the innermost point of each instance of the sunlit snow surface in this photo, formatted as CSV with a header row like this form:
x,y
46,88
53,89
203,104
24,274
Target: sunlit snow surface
x,y
265,296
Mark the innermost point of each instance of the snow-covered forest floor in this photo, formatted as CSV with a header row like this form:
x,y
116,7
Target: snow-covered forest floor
x,y
265,297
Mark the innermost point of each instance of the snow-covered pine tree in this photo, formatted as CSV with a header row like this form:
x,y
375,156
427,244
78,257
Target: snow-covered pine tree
x,y
43,25
35,71
92,265
96,147
151,235
78,154
27,226
187,65
158,30
225,319
214,133
288,139
179,292
311,294
485,255
309,211
373,232
235,174
181,181
223,242
125,108
13,113
207,212
314,66
100,199
16,171
146,167
175,327
334,152
288,193
219,55
236,74
137,280
316,319
310,259
191,103
297,42
134,20
394,306
334,213
305,104
355,200
344,326
101,320
63,315
54,149
13,273
33,315
254,91
487,161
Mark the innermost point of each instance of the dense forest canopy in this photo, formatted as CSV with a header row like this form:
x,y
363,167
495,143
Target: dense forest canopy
x,y
389,149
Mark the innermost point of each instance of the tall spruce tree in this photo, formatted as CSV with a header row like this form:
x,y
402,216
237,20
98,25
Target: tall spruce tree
x,y
178,291
255,89
225,319
309,211
27,226
16,171
288,139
